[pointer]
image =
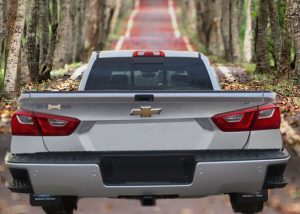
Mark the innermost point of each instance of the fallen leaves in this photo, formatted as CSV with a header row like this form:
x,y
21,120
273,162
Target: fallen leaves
x,y
291,208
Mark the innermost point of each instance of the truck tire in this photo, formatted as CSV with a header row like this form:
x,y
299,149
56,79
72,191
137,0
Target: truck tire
x,y
246,203
69,204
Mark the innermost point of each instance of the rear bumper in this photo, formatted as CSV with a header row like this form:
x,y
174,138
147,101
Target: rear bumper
x,y
214,172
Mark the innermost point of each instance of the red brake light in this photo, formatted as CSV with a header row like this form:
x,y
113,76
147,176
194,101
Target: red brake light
x,y
148,54
256,118
24,123
39,124
267,117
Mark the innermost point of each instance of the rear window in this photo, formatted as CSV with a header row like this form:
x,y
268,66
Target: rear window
x,y
149,73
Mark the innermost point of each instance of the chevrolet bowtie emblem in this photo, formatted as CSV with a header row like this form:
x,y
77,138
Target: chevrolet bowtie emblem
x,y
145,111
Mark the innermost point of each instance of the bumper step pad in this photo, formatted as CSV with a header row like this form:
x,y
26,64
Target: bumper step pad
x,y
273,182
19,186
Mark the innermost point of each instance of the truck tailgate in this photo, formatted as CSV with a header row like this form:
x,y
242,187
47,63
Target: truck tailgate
x,y
113,122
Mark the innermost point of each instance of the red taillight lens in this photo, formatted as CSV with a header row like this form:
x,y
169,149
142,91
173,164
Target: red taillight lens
x,y
267,117
39,124
256,118
148,54
235,121
24,123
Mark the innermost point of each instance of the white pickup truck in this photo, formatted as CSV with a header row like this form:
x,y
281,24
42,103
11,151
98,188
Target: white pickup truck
x,y
146,125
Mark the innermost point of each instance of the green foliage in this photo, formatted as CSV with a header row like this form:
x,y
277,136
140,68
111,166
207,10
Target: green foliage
x,y
281,12
249,67
254,11
65,70
271,83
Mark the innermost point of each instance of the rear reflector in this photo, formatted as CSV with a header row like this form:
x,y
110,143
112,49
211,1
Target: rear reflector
x,y
256,118
148,54
39,124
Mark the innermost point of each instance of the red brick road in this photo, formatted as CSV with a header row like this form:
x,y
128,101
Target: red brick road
x,y
153,25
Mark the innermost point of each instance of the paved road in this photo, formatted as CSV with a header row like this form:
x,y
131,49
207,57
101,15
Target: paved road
x,y
153,25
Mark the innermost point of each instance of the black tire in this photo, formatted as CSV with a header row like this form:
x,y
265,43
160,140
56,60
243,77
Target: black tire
x,y
69,204
248,208
245,203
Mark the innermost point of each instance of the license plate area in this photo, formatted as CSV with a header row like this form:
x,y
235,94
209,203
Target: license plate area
x,y
147,170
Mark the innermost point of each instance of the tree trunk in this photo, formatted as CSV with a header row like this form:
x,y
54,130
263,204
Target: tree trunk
x,y
230,30
275,30
46,67
78,26
209,25
117,6
261,46
11,19
31,38
93,27
225,26
10,80
285,57
24,73
241,8
295,17
44,29
2,26
62,54
247,55
234,30
23,69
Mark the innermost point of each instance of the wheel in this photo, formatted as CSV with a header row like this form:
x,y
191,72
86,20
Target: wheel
x,y
246,203
69,204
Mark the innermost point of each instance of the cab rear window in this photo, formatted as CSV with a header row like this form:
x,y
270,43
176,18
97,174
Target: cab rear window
x,y
149,73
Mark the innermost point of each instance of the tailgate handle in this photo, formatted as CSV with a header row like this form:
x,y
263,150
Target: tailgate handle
x,y
144,97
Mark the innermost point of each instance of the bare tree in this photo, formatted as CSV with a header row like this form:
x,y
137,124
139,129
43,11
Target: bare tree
x,y
10,80
261,41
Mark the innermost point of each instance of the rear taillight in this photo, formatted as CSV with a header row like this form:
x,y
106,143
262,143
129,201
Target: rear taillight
x,y
148,54
256,118
40,124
